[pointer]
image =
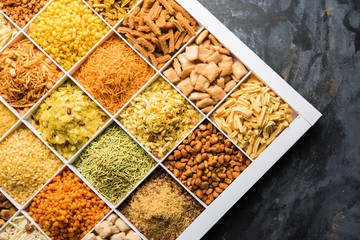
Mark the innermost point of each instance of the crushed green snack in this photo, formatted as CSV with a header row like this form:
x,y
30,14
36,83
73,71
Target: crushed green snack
x,y
114,163
67,119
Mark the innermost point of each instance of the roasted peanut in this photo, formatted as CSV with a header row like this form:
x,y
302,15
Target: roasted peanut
x,y
188,181
187,173
214,140
204,185
206,162
198,158
227,143
242,168
176,172
212,162
228,174
202,127
198,181
206,165
198,147
204,178
209,191
184,153
199,193
221,159
188,148
201,166
215,177
177,154
180,165
223,185
235,174
228,150
228,180
221,175
219,190
206,133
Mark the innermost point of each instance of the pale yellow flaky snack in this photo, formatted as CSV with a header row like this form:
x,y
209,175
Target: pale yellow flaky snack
x,y
253,116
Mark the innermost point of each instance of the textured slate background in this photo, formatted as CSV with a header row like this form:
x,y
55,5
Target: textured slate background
x,y
313,192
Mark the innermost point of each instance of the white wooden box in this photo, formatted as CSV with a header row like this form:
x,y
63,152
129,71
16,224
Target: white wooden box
x,y
305,116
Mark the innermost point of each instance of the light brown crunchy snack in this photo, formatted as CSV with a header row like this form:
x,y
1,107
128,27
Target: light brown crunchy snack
x,y
157,29
205,72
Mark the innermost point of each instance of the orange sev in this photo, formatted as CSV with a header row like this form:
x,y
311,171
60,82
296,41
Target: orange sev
x,y
113,73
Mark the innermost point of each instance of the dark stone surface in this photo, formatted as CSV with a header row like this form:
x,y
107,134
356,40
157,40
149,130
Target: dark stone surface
x,y
313,191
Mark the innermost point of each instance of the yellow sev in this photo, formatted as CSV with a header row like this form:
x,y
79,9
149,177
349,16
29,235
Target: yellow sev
x,y
113,73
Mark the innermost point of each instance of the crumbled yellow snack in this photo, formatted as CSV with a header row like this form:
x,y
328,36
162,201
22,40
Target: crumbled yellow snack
x,y
67,30
7,119
26,164
67,119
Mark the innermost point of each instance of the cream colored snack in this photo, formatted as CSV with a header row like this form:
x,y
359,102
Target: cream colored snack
x,y
159,117
7,31
253,116
205,72
7,119
20,228
26,164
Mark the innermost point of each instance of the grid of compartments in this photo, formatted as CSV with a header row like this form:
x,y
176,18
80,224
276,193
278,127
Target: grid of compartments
x,y
141,129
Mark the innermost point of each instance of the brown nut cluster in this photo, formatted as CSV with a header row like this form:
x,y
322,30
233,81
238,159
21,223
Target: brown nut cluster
x,y
207,162
7,210
22,11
